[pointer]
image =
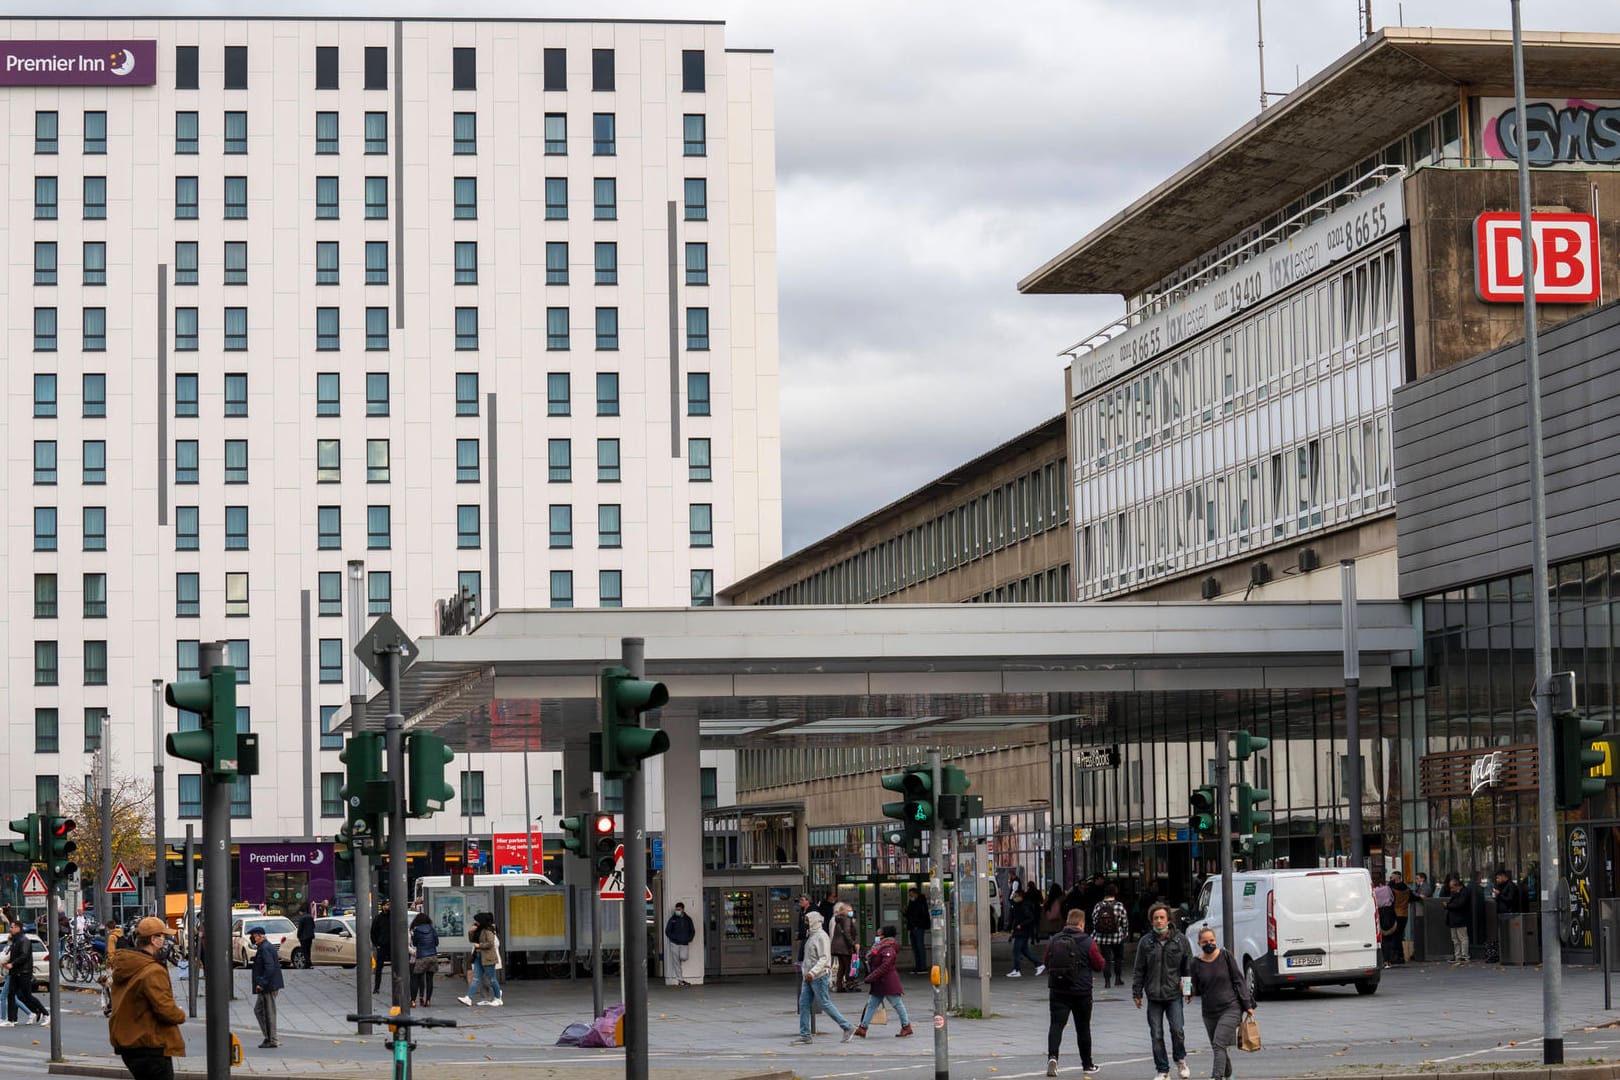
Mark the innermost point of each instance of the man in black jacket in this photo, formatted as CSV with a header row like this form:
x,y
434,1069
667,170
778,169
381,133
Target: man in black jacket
x,y
1022,920
1459,906
918,923
267,986
1163,961
1072,957
382,938
19,964
680,931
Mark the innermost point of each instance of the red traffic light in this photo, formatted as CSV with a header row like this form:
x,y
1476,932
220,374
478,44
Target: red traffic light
x,y
603,824
64,826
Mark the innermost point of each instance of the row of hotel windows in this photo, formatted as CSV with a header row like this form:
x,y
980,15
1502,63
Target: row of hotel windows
x,y
48,788
463,68
463,131
1009,514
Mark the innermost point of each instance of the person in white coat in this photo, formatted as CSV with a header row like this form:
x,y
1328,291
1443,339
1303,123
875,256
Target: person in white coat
x,y
818,980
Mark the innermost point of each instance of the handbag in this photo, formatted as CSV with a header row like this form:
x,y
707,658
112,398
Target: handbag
x,y
1248,1034
421,965
881,1017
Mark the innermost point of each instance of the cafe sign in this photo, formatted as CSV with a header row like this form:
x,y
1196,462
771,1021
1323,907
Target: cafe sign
x,y
78,63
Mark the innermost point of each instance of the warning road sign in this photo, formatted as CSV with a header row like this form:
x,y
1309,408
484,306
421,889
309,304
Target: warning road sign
x,y
120,880
612,886
34,885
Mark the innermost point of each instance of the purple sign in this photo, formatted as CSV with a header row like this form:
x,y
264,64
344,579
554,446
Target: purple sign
x,y
78,63
290,869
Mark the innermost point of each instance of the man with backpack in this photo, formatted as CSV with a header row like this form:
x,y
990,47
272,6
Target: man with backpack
x,y
1110,923
1071,958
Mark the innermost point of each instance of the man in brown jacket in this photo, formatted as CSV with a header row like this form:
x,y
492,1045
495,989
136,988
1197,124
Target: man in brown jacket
x,y
145,1025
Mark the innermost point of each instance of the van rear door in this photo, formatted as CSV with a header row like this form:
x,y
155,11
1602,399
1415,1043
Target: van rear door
x,y
1302,933
1352,923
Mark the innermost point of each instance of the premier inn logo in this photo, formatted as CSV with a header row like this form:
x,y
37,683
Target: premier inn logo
x,y
78,63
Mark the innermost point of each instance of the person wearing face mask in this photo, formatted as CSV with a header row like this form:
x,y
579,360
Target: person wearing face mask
x,y
1162,976
1224,993
145,1026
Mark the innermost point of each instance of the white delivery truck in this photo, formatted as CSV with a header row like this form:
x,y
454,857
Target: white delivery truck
x,y
1297,927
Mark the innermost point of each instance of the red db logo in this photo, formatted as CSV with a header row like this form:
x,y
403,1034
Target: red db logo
x,y
1566,258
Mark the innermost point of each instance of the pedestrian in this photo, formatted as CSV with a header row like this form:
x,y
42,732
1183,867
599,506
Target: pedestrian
x,y
681,933
19,966
1506,895
1071,958
1022,919
828,905
382,940
1033,897
1052,917
1384,910
1110,923
425,945
1224,994
883,983
145,1026
1459,905
917,925
486,961
1163,967
801,929
1421,885
817,977
267,984
114,936
1401,905
844,946
306,938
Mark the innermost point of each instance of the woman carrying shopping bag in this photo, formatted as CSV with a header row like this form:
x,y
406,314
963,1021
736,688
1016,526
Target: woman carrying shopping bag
x,y
884,983
1224,994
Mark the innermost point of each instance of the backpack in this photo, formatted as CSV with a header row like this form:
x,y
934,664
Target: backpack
x,y
1108,918
1063,959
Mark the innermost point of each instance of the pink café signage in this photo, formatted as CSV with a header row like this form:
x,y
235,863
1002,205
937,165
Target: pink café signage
x,y
78,63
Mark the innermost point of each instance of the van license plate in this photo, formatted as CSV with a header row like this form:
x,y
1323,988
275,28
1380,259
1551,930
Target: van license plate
x,y
1304,961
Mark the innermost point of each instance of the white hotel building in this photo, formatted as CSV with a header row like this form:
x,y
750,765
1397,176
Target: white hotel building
x,y
487,305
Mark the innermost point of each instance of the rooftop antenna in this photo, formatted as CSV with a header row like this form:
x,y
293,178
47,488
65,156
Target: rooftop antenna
x,y
1365,7
1260,44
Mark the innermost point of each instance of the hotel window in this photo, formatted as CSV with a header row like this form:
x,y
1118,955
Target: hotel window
x,y
608,530
185,198
467,262
466,393
331,740
466,461
556,328
236,461
702,524
607,329
95,132
326,262
556,198
697,264
236,394
187,596
557,394
469,584
601,69
236,132
94,719
610,588
95,198
559,462
376,393
326,133
562,588
697,329
95,596
556,133
703,588
379,528
328,461
95,462
697,461
46,735
44,132
95,262
466,328
95,528
326,67
377,328
44,528
185,262
708,788
45,596
607,393
236,71
468,530
44,329
377,198
466,194
95,329
472,793
45,663
607,262
236,593
697,393
326,329
379,593
464,133
692,71
377,466
95,394
185,68
332,805
554,65
185,329
376,133
236,528
463,69
696,129
326,198
331,660
44,262
329,593
556,262
376,67
606,190
44,395
187,528
697,199
328,528
235,197
45,197
185,133
190,794
607,460
235,262
44,462
376,262
236,329
185,394
603,141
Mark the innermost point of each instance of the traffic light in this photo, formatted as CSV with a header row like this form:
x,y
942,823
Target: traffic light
x,y
625,744
915,811
364,790
213,699
60,846
28,847
1247,745
343,843
1575,756
1205,819
576,833
604,844
1253,822
426,756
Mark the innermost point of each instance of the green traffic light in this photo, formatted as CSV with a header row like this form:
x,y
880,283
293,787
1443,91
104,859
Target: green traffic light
x,y
625,743
28,847
1575,758
214,744
576,830
363,754
1248,744
427,755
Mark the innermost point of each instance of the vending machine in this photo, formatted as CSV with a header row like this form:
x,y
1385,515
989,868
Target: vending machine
x,y
749,918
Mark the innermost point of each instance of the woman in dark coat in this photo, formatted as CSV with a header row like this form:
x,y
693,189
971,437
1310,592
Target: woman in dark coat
x,y
884,982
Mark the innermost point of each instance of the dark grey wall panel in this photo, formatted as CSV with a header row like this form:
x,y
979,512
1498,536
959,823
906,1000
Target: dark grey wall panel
x,y
1462,478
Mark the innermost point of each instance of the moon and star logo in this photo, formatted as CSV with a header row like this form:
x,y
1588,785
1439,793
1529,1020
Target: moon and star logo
x,y
317,857
122,61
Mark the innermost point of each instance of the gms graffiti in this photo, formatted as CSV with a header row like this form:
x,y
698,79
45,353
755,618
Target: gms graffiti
x,y
1578,132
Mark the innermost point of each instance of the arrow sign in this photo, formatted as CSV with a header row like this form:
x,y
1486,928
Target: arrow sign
x,y
120,881
35,885
612,886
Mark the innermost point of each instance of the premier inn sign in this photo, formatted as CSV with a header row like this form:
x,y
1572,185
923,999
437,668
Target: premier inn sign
x,y
78,63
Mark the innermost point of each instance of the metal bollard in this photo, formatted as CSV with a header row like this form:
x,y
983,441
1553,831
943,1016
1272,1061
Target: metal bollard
x,y
1603,955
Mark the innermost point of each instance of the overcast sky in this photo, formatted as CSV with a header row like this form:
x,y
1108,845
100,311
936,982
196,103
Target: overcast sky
x,y
931,154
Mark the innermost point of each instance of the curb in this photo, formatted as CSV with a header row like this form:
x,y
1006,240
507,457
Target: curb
x,y
118,1072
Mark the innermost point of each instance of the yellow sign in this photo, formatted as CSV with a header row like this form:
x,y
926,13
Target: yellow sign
x,y
1081,834
537,916
1604,768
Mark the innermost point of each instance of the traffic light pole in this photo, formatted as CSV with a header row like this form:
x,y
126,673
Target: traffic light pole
x,y
216,867
936,914
53,936
399,906
190,880
632,912
358,859
160,879
1223,808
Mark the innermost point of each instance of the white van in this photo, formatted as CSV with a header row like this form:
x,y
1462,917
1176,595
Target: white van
x,y
1297,927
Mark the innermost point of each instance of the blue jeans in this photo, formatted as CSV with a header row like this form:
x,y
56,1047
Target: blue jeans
x,y
1020,944
875,1000
816,990
1157,1013
485,975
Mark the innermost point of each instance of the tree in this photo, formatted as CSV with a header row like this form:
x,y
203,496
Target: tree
x,y
132,829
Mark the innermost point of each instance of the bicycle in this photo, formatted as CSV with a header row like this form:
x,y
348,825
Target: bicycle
x,y
401,1042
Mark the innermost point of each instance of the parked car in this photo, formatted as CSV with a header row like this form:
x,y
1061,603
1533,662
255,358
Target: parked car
x,y
333,944
276,930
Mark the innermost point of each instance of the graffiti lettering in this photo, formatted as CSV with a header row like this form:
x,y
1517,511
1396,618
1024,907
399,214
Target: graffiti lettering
x,y
1584,133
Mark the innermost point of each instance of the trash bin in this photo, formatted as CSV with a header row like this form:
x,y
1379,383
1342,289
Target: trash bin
x,y
1522,939
1436,940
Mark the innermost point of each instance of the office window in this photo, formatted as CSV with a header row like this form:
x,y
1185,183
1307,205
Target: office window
x,y
326,67
45,669
44,596
562,526
236,67
376,133
697,199
698,468
468,528
607,460
469,584
472,793
376,393
466,393
703,588
697,329
185,198
377,328
326,329
44,528
556,133
44,132
603,129
95,198
556,199
330,740
701,519
185,329
187,596
44,329
692,71
554,66
45,462
379,528
377,457
326,198
95,528
697,393
606,190
556,262
466,262
236,528
332,793
562,588
190,795
466,328
95,262
95,329
601,69
697,264
236,461
236,263
610,588
236,132
45,198
326,262
607,393
236,395
45,732
377,198
557,396
608,531
376,67
329,593
463,73
695,128
607,328
187,528
376,262
185,133
185,262
330,652
235,197
185,394
326,133
95,596
379,593
186,459
328,461
464,133
236,593
328,528
559,461
607,262
556,328
185,78
44,395
466,461
95,462
95,394
236,329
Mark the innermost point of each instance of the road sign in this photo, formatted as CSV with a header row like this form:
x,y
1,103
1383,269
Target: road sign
x,y
34,885
121,882
612,886
384,634
658,853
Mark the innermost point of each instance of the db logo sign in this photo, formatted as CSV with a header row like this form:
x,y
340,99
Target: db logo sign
x,y
1566,258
